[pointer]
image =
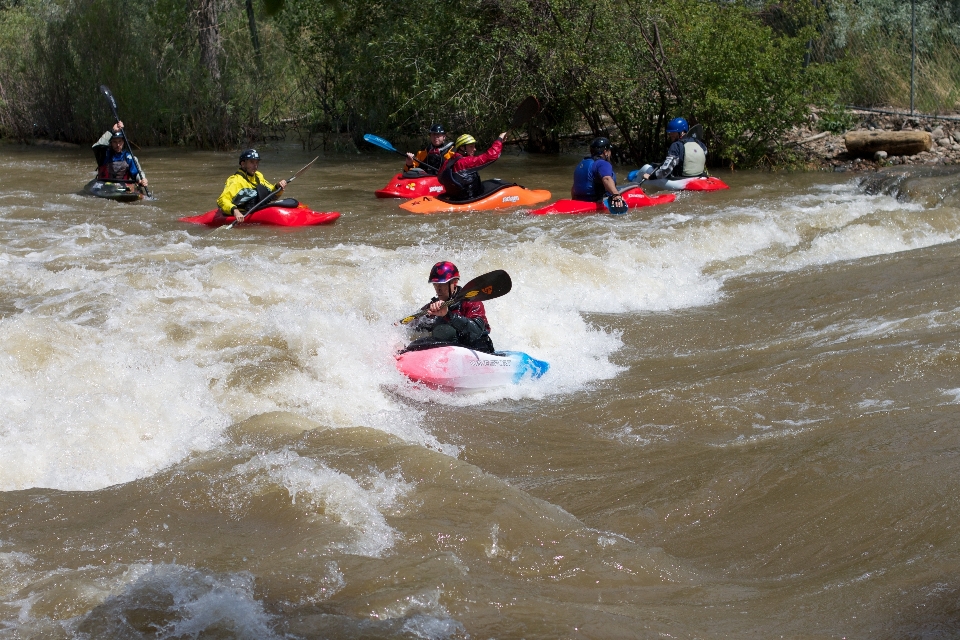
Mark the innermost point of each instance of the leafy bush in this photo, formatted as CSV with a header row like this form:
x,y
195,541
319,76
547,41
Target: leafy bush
x,y
335,67
836,119
147,53
624,67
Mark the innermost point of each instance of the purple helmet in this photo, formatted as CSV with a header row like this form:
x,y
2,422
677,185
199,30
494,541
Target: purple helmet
x,y
444,272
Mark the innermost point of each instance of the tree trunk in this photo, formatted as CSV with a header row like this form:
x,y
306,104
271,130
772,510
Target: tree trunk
x,y
208,29
895,143
254,36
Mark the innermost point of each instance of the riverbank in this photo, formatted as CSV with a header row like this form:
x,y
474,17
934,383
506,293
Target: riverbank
x,y
814,148
821,150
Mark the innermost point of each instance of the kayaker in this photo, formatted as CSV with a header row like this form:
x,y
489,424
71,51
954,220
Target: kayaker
x,y
463,323
594,177
686,157
247,187
430,159
459,176
113,161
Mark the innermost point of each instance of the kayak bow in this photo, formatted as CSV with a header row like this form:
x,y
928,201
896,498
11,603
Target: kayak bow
x,y
633,198
299,216
453,368
496,195
401,187
112,190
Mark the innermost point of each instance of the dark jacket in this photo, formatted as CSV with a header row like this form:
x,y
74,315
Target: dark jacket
x,y
468,319
459,176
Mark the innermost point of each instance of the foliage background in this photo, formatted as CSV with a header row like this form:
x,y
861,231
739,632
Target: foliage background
x,y
331,70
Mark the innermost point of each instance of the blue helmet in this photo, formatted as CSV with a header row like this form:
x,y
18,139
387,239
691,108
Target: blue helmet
x,y
677,125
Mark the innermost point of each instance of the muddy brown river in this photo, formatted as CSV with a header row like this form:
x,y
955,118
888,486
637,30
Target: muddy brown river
x,y
750,427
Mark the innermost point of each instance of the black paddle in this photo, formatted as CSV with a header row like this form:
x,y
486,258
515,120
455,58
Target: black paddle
x,y
266,198
695,132
113,107
486,287
525,112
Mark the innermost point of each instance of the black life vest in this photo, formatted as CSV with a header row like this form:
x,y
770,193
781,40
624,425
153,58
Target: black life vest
x,y
459,185
432,162
248,197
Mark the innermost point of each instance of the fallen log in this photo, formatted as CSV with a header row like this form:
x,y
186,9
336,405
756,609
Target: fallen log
x,y
819,136
896,143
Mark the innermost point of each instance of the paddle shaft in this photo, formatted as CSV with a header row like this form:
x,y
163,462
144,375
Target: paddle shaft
x,y
386,145
423,162
423,312
113,108
484,287
273,192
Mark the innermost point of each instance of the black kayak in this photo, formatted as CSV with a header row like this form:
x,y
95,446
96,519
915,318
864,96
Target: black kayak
x,y
118,191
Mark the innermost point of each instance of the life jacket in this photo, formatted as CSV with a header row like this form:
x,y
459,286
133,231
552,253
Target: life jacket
x,y
694,159
469,323
118,169
585,187
432,160
465,308
250,196
459,185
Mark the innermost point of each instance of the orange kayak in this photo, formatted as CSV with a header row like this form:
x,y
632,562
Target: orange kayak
x,y
497,195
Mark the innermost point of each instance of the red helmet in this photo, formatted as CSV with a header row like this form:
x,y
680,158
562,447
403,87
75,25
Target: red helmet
x,y
443,272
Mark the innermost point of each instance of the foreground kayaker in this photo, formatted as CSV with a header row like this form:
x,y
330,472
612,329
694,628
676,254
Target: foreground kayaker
x,y
594,177
686,157
459,173
247,187
430,159
464,322
113,161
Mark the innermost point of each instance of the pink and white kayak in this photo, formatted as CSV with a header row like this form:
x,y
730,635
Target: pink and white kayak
x,y
634,198
279,216
400,187
453,368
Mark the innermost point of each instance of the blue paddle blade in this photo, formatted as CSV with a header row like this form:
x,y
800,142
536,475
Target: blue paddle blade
x,y
617,211
632,176
377,141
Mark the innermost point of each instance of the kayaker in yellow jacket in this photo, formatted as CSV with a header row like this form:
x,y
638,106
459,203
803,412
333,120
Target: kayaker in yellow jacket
x,y
245,188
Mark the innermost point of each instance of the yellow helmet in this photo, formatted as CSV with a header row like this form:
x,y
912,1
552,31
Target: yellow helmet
x,y
464,140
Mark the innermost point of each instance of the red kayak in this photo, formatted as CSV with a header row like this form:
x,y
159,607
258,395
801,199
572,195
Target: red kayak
x,y
280,216
702,183
634,198
690,184
412,187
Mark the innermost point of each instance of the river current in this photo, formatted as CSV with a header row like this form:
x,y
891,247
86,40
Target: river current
x,y
749,428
